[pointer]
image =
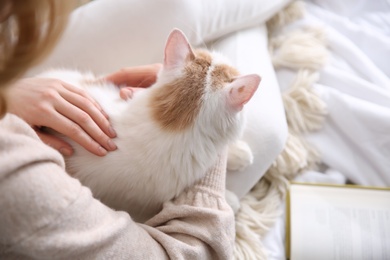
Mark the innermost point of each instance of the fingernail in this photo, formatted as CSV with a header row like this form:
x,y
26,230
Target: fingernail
x,y
102,151
66,151
111,145
112,132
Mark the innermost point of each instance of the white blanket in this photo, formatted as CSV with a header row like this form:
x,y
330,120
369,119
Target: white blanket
x,y
355,84
356,87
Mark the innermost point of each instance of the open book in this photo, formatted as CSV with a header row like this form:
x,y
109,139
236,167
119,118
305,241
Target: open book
x,y
337,222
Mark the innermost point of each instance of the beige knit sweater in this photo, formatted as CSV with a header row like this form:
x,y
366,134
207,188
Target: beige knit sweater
x,y
46,214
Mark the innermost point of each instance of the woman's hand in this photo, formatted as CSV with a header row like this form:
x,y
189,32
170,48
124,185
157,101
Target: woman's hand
x,y
134,77
51,103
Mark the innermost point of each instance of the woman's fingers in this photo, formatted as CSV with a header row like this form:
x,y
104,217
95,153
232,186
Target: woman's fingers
x,y
89,108
55,142
84,94
72,130
140,76
126,93
80,127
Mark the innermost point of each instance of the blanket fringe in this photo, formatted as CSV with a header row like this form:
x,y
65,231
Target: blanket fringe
x,y
290,13
303,48
259,211
303,51
305,111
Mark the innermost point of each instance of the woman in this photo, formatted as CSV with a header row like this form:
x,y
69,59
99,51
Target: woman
x,y
46,214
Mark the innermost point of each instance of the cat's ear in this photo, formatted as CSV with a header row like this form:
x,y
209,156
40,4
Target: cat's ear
x,y
177,50
241,90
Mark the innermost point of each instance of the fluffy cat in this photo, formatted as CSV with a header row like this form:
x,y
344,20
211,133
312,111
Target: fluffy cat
x,y
169,134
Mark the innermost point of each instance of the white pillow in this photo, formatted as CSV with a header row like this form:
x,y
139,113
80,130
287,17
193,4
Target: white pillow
x,y
104,36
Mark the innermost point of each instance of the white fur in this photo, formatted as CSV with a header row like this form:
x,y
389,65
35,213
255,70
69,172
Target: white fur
x,y
239,156
151,165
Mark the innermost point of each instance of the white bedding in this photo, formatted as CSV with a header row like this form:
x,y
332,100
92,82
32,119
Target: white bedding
x,y
355,84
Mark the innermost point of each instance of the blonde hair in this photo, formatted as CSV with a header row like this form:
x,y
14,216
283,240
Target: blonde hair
x,y
28,30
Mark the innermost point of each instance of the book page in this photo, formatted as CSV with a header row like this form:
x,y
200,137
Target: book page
x,y
339,223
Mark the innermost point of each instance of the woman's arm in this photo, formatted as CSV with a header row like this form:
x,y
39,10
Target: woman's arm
x,y
48,214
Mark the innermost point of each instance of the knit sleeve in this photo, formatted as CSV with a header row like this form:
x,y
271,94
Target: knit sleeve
x,y
198,224
46,214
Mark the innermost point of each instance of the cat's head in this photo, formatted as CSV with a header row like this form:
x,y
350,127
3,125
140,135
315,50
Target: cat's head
x,y
199,88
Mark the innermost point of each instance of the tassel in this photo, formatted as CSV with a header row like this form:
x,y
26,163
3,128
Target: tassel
x,y
305,111
300,49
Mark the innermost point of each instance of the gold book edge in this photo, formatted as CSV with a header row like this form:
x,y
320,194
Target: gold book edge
x,y
288,227
354,186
